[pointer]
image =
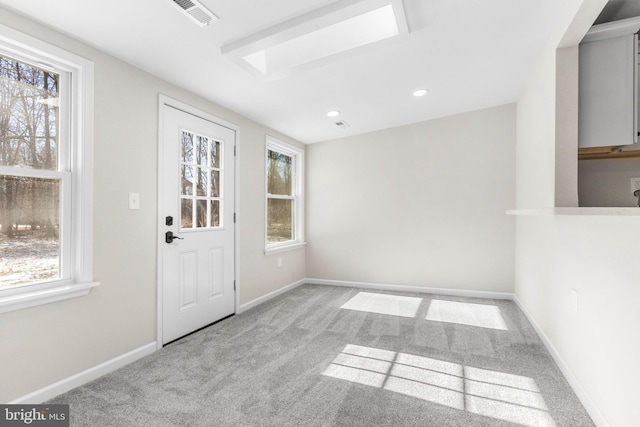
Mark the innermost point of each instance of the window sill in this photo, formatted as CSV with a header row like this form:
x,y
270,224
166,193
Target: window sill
x,y
20,300
284,248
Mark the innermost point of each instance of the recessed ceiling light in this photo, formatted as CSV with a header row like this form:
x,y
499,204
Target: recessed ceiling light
x,y
420,92
314,37
333,113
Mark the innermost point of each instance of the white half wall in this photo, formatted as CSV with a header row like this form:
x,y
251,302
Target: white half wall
x,y
419,205
576,275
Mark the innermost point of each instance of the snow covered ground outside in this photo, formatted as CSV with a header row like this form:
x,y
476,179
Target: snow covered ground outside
x,y
27,259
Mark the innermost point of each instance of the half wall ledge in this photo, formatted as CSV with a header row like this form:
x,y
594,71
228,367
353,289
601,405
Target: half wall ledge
x,y
576,212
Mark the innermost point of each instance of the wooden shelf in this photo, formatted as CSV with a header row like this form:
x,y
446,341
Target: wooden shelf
x,y
611,152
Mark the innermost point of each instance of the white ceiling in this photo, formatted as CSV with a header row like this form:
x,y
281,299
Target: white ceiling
x,y
470,54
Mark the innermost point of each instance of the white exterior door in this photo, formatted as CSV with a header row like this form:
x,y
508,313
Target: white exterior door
x,y
196,223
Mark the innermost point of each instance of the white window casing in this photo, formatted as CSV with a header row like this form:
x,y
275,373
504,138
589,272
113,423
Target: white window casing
x,y
75,172
297,196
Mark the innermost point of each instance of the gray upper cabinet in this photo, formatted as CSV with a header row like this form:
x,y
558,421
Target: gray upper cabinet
x,y
608,97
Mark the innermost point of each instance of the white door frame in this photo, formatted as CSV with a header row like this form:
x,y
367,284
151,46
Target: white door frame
x,y
164,102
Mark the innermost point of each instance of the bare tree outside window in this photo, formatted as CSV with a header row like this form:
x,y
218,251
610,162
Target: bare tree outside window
x,y
200,194
284,196
29,202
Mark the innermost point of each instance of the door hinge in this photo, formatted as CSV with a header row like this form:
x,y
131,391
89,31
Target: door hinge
x,y
234,217
234,285
234,149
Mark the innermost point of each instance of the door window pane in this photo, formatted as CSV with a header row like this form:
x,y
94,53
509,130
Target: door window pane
x,y
29,230
215,154
202,182
215,183
187,180
203,149
186,213
201,213
187,147
215,213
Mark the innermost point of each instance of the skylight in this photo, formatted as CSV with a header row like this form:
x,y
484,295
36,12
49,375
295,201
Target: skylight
x,y
318,36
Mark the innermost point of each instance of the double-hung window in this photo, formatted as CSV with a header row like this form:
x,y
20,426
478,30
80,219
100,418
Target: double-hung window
x,y
284,196
46,113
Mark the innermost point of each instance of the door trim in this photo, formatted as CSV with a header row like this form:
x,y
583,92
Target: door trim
x,y
164,102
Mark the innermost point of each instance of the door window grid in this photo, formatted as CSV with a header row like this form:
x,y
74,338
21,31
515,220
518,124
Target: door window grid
x,y
201,181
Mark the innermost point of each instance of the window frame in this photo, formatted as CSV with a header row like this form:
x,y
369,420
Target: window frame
x,y
297,156
75,171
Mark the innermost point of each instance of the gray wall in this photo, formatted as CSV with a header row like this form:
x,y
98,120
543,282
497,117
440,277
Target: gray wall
x,y
607,182
421,205
45,344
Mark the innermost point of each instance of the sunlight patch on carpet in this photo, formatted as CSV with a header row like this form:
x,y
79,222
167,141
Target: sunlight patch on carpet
x,y
499,395
462,313
384,304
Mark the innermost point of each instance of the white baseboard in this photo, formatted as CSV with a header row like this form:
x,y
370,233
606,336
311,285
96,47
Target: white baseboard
x,y
249,305
583,396
85,376
417,289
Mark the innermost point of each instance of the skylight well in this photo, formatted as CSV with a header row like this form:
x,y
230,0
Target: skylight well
x,y
319,36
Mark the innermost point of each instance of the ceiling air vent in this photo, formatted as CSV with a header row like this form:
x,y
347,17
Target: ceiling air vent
x,y
342,124
196,12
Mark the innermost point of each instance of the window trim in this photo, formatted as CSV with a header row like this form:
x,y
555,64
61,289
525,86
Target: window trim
x,y
297,154
79,246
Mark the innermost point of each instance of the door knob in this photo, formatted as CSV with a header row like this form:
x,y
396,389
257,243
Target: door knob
x,y
169,237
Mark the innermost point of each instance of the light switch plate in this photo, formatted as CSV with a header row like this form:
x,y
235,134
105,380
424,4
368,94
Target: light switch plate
x,y
635,184
134,200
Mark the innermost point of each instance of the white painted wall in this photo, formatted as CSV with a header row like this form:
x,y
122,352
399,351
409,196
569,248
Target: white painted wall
x,y
420,205
599,346
451,188
44,344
